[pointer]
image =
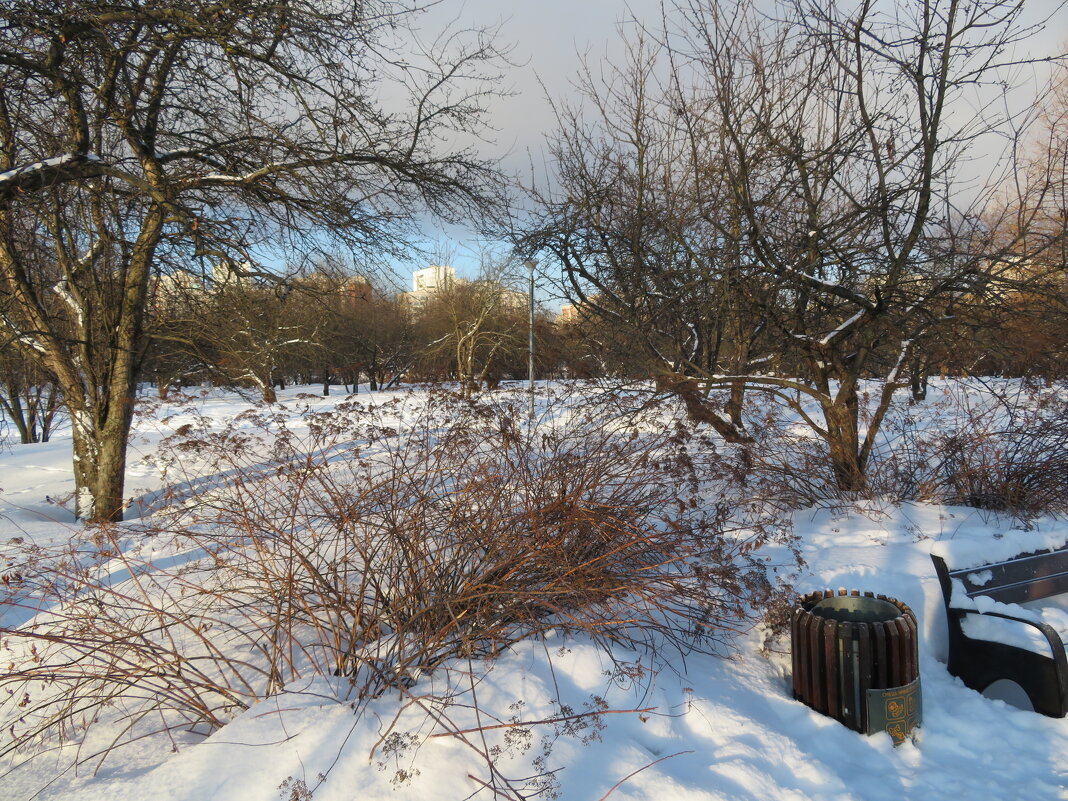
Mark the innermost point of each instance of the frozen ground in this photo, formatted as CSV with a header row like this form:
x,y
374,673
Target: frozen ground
x,y
712,729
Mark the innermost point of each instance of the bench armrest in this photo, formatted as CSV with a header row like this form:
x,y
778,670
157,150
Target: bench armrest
x,y
1050,633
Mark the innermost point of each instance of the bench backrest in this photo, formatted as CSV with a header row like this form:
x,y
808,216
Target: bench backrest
x,y
1024,577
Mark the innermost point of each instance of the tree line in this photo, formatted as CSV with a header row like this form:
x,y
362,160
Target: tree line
x,y
338,328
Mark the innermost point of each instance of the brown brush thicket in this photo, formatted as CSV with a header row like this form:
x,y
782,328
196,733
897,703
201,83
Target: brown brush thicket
x,y
375,546
1005,453
996,445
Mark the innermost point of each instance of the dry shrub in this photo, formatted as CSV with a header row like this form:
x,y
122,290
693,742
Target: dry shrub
x,y
995,445
1010,456
1020,471
787,465
119,640
376,545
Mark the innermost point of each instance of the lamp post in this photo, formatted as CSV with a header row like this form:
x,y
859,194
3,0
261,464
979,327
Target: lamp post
x,y
530,341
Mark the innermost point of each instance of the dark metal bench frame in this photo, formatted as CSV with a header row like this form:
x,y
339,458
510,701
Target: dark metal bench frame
x,y
979,663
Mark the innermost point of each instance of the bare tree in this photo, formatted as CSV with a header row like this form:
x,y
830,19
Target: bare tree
x,y
836,143
358,328
845,138
254,336
640,218
29,396
474,325
383,340
138,139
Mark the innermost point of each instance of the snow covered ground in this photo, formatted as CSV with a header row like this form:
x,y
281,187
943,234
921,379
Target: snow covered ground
x,y
710,728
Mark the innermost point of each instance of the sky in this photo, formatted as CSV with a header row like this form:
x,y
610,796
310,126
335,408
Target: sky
x,y
549,40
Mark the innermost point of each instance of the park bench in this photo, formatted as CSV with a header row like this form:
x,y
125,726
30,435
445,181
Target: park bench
x,y
980,593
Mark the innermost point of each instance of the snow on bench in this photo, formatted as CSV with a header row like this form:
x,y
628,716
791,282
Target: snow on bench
x,y
991,637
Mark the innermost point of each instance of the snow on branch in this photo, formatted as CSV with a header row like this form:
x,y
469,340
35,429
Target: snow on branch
x,y
40,174
62,290
22,337
844,328
903,352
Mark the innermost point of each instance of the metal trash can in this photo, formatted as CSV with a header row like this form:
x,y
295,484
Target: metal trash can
x,y
856,659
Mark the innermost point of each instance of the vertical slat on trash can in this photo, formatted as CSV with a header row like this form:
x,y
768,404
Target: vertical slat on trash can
x,y
830,661
817,693
907,659
914,641
881,658
893,642
849,711
797,637
864,670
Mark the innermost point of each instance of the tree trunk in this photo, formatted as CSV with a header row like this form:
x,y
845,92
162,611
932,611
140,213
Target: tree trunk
x,y
843,442
100,462
111,472
845,464
101,417
84,441
699,409
51,407
13,406
735,404
920,371
737,361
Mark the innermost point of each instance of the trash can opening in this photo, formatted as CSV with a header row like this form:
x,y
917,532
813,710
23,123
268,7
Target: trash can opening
x,y
856,610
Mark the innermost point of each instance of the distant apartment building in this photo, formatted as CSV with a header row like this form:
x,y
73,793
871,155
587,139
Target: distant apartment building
x,y
583,311
227,273
176,283
513,299
355,287
428,282
168,290
568,314
351,287
433,278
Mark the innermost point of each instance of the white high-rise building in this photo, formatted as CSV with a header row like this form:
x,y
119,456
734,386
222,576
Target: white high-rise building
x,y
431,279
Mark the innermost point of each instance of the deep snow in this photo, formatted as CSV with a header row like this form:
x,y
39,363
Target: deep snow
x,y
712,728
